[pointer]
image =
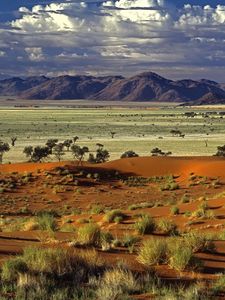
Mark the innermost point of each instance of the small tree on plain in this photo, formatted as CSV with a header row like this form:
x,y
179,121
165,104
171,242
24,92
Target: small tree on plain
x,y
58,151
101,156
159,152
129,153
220,151
67,144
13,141
4,147
37,153
75,138
79,152
51,143
112,134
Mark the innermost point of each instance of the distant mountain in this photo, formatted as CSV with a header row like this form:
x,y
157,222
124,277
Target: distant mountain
x,y
209,99
15,85
69,87
146,86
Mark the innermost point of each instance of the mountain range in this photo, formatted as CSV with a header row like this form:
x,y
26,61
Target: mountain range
x,y
146,86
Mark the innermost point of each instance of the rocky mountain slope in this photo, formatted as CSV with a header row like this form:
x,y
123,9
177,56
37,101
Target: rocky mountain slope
x,y
146,86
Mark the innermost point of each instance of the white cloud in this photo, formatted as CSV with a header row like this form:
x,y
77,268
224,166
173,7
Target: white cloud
x,y
35,54
113,36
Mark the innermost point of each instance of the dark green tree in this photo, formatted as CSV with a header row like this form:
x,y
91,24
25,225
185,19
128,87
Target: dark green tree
x,y
4,147
129,153
79,152
58,151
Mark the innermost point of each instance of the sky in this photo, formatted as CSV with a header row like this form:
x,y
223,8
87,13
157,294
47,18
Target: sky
x,y
177,39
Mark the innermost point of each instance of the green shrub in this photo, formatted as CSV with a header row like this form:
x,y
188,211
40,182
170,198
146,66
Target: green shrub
x,y
181,256
106,239
199,242
175,210
118,219
111,215
115,283
152,252
145,225
46,221
219,285
12,267
52,261
89,234
167,227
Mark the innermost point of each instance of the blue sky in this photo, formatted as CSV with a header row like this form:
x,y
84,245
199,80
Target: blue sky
x,y
177,39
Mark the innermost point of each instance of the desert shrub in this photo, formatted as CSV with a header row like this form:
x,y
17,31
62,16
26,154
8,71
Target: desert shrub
x,y
30,224
12,267
152,252
106,239
46,221
89,234
171,186
52,261
118,219
115,283
140,205
175,210
97,209
145,225
219,285
199,242
82,221
181,257
129,240
167,227
185,199
67,228
110,216
91,259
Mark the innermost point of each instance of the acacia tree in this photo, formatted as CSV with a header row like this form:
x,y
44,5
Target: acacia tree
x,y
58,151
220,151
75,138
67,144
129,153
79,152
101,156
112,134
51,143
4,147
37,153
159,152
13,141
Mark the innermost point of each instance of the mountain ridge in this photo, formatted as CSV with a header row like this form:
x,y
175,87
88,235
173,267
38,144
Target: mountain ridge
x,y
146,86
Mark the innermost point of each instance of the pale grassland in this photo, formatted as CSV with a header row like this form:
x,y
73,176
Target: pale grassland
x,y
139,130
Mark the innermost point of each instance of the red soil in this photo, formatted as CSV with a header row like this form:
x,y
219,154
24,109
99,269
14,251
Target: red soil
x,y
114,194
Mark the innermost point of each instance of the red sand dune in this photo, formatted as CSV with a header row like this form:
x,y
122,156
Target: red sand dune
x,y
142,166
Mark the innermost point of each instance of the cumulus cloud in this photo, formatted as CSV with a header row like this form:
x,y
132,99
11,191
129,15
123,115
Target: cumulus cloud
x,y
118,36
35,53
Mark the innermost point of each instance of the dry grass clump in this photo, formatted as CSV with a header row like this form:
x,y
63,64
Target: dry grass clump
x,y
46,221
174,251
89,234
199,242
145,225
116,282
153,252
113,215
30,225
181,257
167,227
